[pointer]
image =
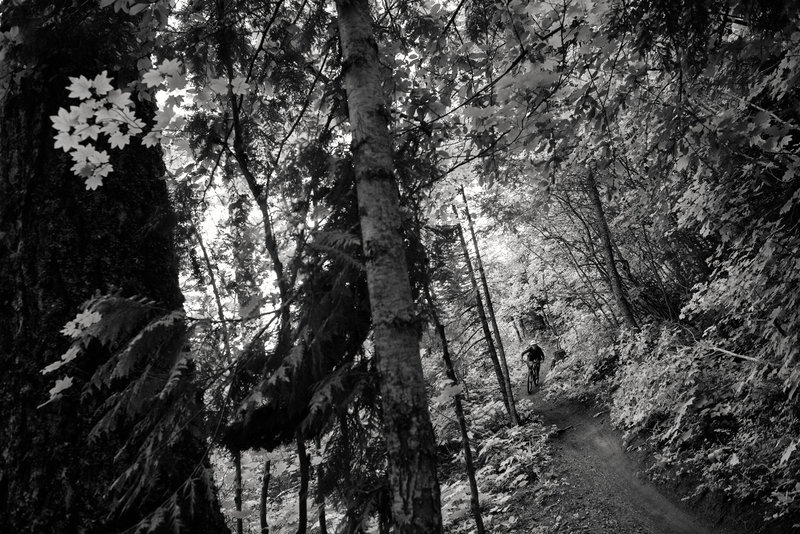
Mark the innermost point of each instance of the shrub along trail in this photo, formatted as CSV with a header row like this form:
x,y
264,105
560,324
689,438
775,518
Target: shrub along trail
x,y
596,486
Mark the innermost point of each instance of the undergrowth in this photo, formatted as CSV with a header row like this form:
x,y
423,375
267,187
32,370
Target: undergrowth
x,y
722,420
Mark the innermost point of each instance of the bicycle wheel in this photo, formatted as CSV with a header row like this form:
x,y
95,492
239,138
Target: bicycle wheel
x,y
535,374
531,383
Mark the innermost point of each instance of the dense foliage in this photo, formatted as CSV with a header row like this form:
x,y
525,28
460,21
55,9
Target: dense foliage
x,y
634,177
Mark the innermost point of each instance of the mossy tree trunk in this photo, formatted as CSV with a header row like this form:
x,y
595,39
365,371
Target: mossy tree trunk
x,y
59,244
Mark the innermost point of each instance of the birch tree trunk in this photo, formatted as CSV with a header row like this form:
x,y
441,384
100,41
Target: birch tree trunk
x,y
407,428
501,353
614,279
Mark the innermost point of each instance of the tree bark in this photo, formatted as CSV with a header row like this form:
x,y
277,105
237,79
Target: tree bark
x,y
59,243
262,508
237,495
323,524
515,322
615,281
501,353
474,500
302,495
407,429
487,334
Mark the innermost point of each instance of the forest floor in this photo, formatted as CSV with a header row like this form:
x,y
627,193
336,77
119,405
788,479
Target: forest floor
x,y
595,484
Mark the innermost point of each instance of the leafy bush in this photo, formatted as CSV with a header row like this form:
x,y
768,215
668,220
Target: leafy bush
x,y
726,421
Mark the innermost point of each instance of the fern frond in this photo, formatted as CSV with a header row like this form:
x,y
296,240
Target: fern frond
x,y
341,246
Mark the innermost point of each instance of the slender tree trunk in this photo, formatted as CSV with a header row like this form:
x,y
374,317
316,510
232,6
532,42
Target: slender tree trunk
x,y
237,495
474,500
262,505
323,525
407,429
223,324
59,243
515,322
305,474
487,334
501,353
615,281
225,39
547,314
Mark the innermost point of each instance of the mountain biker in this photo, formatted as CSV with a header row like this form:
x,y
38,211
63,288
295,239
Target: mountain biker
x,y
533,354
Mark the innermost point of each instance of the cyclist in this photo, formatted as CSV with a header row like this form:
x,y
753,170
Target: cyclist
x,y
533,357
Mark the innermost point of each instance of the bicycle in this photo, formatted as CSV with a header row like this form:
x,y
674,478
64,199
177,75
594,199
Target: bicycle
x,y
533,375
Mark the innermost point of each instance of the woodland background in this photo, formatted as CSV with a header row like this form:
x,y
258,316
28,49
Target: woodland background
x,y
187,231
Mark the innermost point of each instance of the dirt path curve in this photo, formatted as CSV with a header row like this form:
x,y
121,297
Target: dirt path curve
x,y
604,492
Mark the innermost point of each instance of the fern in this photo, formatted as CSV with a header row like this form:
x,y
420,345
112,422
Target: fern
x,y
342,246
142,391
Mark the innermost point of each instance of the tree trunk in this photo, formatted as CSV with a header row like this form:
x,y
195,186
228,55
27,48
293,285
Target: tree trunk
x,y
323,525
517,330
487,334
407,429
474,500
262,508
237,495
501,353
59,243
614,279
302,497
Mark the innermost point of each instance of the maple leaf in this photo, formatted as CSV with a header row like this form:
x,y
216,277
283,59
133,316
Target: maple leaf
x,y
176,82
52,367
81,153
135,125
153,78
152,138
82,169
218,85
170,67
60,386
89,131
120,99
203,96
71,329
118,139
102,83
80,88
66,142
103,170
240,86
64,121
93,182
84,112
98,157
67,357
71,354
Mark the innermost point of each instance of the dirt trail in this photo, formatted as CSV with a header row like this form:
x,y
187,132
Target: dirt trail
x,y
604,491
